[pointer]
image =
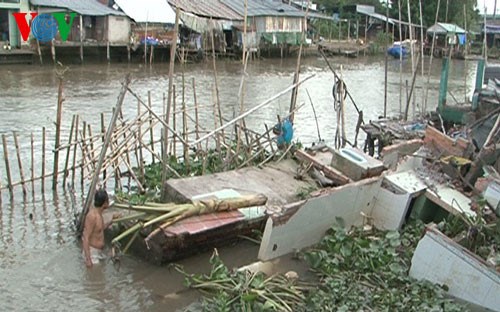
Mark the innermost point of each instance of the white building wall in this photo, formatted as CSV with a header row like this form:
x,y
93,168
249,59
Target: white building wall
x,y
118,29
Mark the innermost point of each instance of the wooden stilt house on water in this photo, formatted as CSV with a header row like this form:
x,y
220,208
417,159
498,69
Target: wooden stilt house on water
x,y
202,20
450,38
151,27
96,30
273,24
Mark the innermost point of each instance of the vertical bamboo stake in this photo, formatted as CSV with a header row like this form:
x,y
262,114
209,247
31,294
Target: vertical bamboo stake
x,y
53,51
73,169
197,122
58,131
7,166
103,134
39,51
138,141
84,153
112,123
386,57
43,160
91,143
184,125
19,162
217,98
174,122
32,164
293,99
243,58
401,61
68,151
151,136
81,39
173,48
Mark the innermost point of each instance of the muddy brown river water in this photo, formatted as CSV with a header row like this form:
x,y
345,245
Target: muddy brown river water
x,y
40,264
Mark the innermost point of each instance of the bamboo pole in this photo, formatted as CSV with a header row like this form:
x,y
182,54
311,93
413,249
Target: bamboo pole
x,y
422,53
244,39
39,51
53,51
401,61
83,149
174,121
151,136
139,133
43,160
266,102
197,121
7,166
32,169
431,58
107,140
66,163
102,135
293,100
411,89
386,57
216,79
81,39
169,100
184,124
58,130
73,169
410,28
20,164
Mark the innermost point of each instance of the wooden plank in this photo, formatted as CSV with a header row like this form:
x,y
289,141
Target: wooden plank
x,y
329,172
439,141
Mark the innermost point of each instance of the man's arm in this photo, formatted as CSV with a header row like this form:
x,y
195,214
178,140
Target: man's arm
x,y
88,229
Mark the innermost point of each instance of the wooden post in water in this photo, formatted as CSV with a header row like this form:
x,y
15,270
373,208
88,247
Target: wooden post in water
x,y
243,58
43,160
32,169
103,133
68,151
7,166
128,52
58,131
108,52
39,51
216,79
19,162
173,49
139,146
386,57
81,39
53,51
107,140
84,153
151,136
73,168
184,125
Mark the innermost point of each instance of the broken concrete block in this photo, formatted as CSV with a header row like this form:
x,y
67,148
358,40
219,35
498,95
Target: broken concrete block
x,y
356,164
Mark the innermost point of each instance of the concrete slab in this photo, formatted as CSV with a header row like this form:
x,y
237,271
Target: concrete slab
x,y
440,260
303,224
276,181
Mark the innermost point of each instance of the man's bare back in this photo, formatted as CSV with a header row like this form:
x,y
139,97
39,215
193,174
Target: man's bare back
x,y
93,229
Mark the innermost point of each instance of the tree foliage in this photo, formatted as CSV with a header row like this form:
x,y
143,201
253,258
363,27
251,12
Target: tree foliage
x,y
464,13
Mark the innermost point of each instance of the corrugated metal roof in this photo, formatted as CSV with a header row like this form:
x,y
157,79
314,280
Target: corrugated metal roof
x,y
82,7
207,8
370,11
264,8
148,11
444,28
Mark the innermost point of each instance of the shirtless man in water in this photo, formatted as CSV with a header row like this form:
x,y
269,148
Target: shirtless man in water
x,y
93,230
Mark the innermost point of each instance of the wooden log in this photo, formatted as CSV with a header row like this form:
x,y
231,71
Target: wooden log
x,y
58,131
93,185
7,166
43,160
331,173
20,163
